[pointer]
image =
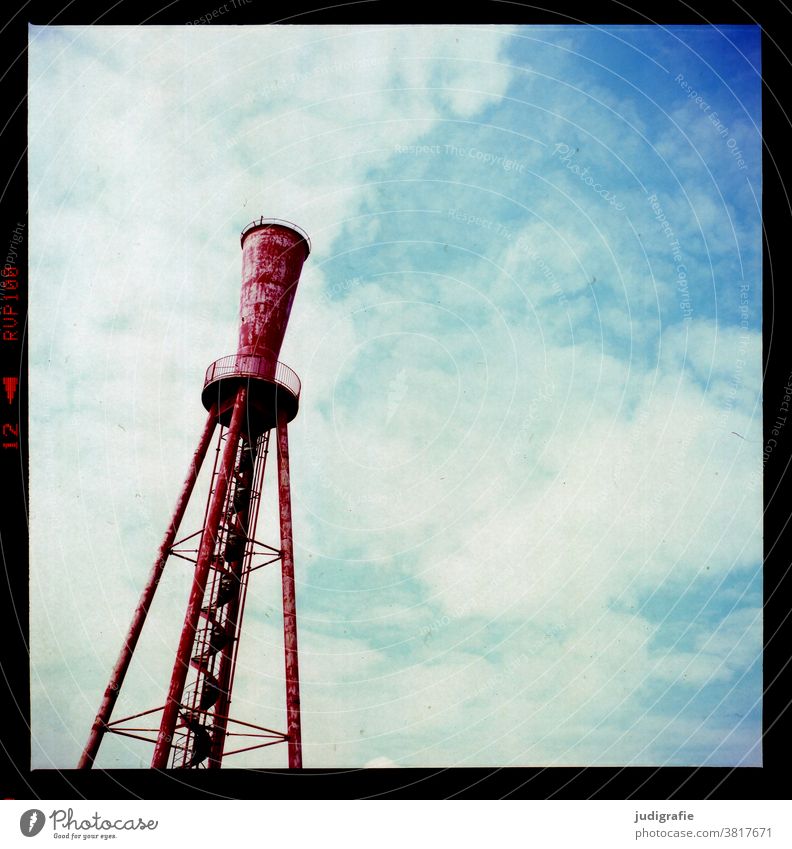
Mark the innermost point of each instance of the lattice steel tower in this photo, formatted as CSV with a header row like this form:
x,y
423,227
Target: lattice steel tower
x,y
249,396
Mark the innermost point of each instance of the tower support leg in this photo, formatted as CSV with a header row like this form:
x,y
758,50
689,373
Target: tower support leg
x,y
289,602
122,664
206,550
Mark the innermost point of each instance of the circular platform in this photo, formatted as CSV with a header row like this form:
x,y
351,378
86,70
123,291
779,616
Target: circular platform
x,y
273,388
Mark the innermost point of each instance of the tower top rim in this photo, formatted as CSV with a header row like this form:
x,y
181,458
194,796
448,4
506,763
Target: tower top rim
x,y
262,223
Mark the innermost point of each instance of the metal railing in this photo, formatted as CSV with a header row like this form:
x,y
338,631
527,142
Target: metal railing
x,y
242,365
262,222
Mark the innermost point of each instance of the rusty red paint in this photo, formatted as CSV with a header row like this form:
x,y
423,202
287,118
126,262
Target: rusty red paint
x,y
272,259
249,393
206,550
139,617
289,600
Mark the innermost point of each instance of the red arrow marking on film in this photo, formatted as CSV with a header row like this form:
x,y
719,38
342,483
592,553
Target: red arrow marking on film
x,y
10,384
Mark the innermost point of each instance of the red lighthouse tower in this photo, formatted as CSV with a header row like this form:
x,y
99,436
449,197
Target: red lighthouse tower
x,y
250,397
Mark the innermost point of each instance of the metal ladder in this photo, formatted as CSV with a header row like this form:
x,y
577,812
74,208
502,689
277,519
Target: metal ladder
x,y
196,734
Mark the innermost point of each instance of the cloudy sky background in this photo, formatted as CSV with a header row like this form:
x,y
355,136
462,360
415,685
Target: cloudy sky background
x,y
526,471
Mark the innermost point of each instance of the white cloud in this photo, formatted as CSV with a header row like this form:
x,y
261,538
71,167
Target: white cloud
x,y
484,496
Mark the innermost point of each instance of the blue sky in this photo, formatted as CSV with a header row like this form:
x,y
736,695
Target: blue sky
x,y
527,464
